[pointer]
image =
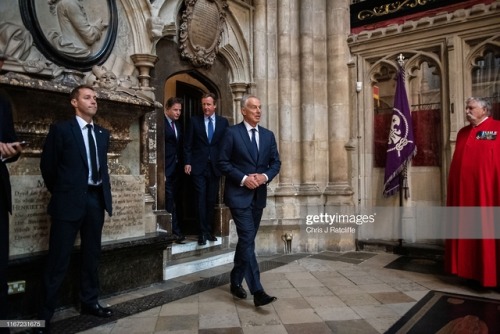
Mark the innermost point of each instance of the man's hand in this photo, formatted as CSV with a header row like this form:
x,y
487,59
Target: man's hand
x,y
187,169
9,150
253,181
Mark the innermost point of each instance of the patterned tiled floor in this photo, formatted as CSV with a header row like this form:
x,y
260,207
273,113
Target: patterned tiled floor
x,y
324,293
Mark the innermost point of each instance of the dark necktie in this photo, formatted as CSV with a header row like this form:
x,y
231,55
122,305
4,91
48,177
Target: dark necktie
x,y
210,129
93,156
173,128
255,148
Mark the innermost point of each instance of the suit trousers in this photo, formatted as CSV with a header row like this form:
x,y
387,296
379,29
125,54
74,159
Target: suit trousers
x,y
247,223
172,200
62,238
206,187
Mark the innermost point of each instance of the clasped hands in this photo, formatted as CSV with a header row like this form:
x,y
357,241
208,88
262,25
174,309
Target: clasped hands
x,y
253,181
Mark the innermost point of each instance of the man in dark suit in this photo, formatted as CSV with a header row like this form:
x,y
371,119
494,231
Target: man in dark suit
x,y
173,163
74,167
249,159
10,149
201,151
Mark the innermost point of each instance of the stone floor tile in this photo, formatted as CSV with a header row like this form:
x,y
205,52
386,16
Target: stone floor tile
x,y
377,288
359,299
307,328
357,326
374,311
318,302
417,295
382,324
219,320
392,297
103,329
276,329
286,293
297,316
337,313
233,330
135,325
291,304
315,291
336,281
179,308
258,317
364,279
401,308
177,323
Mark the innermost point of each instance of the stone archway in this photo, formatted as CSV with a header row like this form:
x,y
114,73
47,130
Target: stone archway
x,y
216,79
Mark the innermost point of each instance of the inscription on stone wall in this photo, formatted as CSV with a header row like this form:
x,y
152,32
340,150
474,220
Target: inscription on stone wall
x,y
128,208
205,24
30,224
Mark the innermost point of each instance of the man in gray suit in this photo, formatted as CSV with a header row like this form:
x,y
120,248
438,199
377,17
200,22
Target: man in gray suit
x,y
249,159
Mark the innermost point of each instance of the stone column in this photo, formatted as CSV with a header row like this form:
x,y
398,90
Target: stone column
x,y
308,96
338,189
290,171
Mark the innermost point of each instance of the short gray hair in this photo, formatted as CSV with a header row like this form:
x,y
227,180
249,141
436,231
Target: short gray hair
x,y
484,102
244,99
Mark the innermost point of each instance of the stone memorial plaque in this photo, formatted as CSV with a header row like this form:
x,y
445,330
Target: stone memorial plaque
x,y
201,30
30,224
128,208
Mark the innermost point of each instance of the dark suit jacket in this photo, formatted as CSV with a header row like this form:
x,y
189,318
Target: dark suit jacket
x,y
7,135
65,170
235,161
173,148
197,149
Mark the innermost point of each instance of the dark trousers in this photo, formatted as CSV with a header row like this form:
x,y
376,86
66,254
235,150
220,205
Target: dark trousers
x,y
206,187
4,261
62,238
247,222
171,201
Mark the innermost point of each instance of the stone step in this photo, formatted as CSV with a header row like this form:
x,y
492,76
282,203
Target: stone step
x,y
188,265
191,248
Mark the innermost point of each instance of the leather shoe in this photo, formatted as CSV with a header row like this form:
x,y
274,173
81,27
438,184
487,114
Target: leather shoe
x,y
201,240
261,298
238,291
96,310
211,237
180,239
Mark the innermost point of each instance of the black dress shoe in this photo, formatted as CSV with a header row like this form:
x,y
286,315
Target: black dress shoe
x,y
238,291
180,239
96,310
211,237
201,240
261,298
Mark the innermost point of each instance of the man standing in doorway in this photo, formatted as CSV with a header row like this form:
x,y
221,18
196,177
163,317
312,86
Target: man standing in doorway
x,y
201,151
249,159
173,163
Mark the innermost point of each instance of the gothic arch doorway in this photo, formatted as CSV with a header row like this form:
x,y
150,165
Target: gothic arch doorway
x,y
173,76
189,88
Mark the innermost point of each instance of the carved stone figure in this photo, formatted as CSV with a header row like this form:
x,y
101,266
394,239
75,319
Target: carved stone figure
x,y
77,34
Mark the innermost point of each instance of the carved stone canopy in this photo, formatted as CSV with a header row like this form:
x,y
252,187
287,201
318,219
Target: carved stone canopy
x,y
37,104
201,30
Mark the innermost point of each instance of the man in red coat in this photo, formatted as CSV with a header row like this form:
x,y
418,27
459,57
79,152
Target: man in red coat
x,y
474,181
